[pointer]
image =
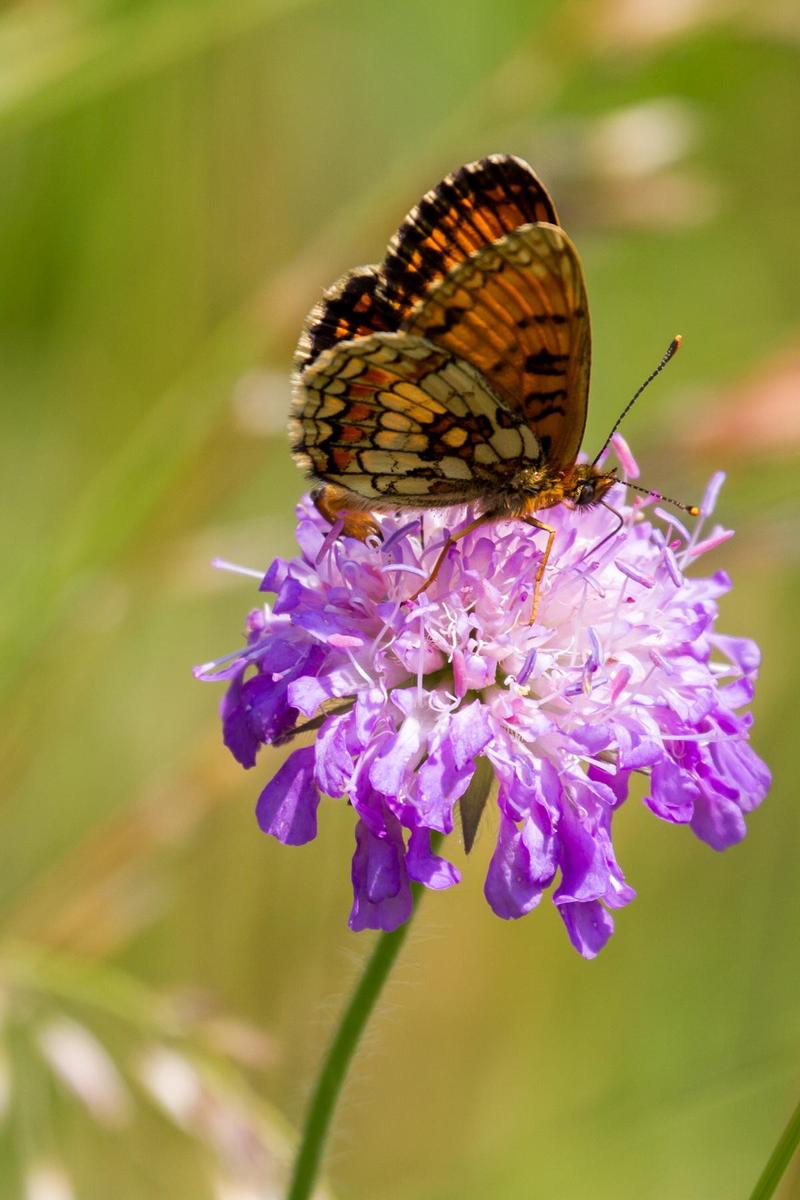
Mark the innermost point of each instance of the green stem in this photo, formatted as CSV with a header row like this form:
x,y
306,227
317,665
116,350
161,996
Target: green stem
x,y
341,1051
779,1159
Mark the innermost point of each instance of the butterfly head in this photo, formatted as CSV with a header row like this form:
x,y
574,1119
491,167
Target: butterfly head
x,y
588,485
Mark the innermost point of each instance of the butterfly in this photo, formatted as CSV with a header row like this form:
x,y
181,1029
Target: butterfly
x,y
457,371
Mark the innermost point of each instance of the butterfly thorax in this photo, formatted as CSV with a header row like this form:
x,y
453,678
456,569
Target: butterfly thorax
x,y
534,488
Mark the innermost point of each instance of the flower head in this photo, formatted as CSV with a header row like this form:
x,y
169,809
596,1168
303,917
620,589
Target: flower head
x,y
417,706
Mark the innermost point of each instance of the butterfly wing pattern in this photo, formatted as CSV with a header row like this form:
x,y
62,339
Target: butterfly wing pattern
x,y
458,370
396,419
475,206
354,307
517,311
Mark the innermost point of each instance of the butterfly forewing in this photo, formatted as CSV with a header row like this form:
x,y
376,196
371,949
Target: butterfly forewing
x,y
517,311
394,418
471,208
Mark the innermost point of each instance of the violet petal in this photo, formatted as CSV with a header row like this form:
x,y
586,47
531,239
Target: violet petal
x,y
287,807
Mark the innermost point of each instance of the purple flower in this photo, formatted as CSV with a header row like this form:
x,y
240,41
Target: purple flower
x,y
622,672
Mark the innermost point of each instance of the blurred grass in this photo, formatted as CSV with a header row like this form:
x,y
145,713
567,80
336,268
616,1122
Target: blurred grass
x,y
178,181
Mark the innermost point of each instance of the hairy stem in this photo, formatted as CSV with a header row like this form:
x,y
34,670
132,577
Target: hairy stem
x,y
335,1066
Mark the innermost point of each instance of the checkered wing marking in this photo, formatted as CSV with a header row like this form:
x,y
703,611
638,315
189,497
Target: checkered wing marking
x,y
517,311
472,207
351,307
395,419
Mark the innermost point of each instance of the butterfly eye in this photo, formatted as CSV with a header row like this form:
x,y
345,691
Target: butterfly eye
x,y
585,494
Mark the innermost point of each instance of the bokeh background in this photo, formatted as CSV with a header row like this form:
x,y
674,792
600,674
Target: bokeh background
x,y
178,179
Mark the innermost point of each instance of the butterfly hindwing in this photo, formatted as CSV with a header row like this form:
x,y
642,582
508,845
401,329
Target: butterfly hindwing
x,y
474,206
394,418
517,311
351,307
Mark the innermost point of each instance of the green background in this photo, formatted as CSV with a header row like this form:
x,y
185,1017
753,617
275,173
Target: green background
x,y
178,180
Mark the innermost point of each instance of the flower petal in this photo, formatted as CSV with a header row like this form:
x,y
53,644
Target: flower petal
x,y
425,867
333,762
522,865
672,793
717,820
381,891
445,775
237,730
398,757
737,762
469,731
589,926
287,807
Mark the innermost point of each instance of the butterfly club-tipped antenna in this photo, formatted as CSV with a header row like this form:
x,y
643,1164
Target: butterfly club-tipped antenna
x,y
670,352
691,509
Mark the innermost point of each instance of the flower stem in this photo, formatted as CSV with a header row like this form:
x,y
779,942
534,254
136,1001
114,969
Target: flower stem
x,y
779,1159
342,1049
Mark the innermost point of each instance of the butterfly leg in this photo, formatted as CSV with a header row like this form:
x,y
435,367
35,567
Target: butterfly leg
x,y
551,534
332,503
451,541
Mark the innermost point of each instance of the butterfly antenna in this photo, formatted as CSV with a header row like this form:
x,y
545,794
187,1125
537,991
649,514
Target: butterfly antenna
x,y
671,351
691,509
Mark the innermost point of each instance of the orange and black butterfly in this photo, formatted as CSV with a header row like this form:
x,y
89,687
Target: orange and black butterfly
x,y
458,370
